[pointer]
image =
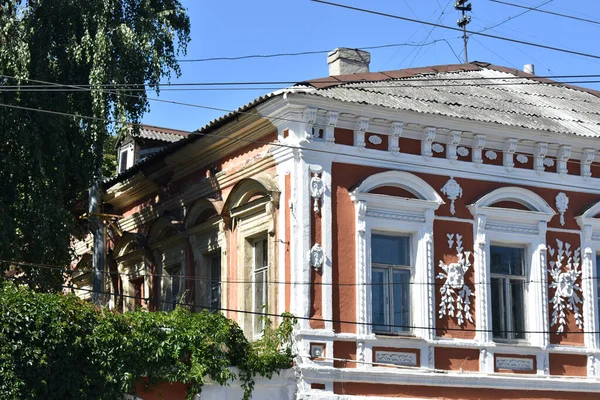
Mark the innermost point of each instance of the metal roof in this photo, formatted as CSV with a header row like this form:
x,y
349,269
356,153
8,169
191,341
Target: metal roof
x,y
162,134
477,91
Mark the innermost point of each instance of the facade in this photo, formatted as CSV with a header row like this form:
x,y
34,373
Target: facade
x,y
435,230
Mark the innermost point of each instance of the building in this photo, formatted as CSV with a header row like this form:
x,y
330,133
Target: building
x,y
435,230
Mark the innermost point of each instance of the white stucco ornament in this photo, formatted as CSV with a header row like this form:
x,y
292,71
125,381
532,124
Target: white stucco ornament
x,y
455,293
317,257
453,191
548,162
491,155
522,158
374,139
562,204
567,293
462,151
317,189
437,148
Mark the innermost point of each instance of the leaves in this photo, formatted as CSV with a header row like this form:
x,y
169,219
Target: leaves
x,y
54,346
48,161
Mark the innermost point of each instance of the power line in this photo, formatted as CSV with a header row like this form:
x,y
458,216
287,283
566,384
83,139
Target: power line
x,y
185,278
411,327
516,16
301,53
458,29
548,12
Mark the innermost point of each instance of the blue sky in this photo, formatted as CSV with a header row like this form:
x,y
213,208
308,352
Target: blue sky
x,y
229,28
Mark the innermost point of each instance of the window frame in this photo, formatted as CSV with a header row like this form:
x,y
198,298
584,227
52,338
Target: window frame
x,y
507,303
390,269
400,216
257,321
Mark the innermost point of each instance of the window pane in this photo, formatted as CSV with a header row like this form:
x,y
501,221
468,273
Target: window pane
x,y
506,260
393,250
378,290
518,307
175,284
401,300
215,282
598,268
498,321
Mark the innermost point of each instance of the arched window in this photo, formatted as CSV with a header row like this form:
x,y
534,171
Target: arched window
x,y
394,220
133,267
510,252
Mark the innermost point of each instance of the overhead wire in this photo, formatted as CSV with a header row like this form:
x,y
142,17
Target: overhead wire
x,y
513,17
497,37
548,12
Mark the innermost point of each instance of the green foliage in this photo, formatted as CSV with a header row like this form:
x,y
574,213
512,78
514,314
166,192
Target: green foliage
x,y
54,346
48,161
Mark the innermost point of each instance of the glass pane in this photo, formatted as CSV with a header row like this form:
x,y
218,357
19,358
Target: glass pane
x,y
215,281
506,260
378,290
498,322
259,292
175,283
401,300
393,250
518,309
598,267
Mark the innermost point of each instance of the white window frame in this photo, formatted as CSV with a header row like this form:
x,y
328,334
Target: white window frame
x,y
590,249
507,303
389,271
257,321
397,216
128,149
512,227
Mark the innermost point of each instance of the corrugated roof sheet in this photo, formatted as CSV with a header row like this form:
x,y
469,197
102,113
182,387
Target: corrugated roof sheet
x,y
477,91
162,134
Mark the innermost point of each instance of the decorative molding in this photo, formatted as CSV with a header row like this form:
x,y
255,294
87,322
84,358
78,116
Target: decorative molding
x,y
317,350
395,133
397,216
477,148
491,155
453,191
426,142
522,158
309,116
548,162
317,190
437,148
462,151
361,213
562,204
512,228
510,146
375,139
396,358
332,118
451,148
514,363
564,152
317,257
541,149
362,124
360,352
454,292
587,157
565,283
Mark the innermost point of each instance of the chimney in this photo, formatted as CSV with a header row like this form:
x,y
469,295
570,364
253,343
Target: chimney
x,y
348,61
529,68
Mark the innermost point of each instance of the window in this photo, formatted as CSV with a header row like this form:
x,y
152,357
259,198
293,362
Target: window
x,y
215,282
508,280
138,292
123,160
174,286
260,277
390,283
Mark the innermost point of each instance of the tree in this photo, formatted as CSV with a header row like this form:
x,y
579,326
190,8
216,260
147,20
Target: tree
x,y
52,139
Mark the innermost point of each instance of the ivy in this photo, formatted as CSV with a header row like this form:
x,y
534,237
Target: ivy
x,y
55,346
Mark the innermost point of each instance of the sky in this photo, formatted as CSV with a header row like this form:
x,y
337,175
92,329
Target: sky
x,y
233,28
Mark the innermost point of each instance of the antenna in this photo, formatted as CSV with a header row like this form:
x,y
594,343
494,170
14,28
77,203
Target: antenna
x,y
464,21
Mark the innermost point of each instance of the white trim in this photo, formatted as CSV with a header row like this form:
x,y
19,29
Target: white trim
x,y
454,219
404,180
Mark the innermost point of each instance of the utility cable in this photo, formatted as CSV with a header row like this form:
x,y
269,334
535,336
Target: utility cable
x,y
548,12
579,53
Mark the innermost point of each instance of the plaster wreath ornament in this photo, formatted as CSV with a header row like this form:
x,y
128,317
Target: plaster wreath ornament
x,y
462,151
374,139
437,148
455,293
453,191
522,158
491,155
567,293
562,203
317,189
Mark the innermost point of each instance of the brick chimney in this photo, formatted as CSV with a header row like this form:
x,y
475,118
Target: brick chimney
x,y
348,61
